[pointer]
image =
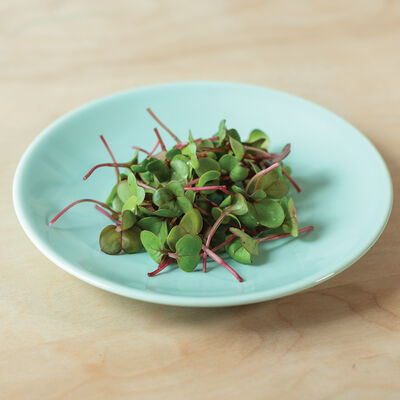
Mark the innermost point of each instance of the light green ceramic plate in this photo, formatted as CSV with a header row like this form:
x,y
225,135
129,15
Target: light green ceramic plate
x,y
346,190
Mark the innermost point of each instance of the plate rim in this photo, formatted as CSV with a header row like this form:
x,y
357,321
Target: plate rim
x,y
169,299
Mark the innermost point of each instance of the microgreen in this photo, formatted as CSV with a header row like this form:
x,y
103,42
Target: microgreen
x,y
198,198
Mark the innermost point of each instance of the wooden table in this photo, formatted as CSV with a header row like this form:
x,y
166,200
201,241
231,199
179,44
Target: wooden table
x,y
63,339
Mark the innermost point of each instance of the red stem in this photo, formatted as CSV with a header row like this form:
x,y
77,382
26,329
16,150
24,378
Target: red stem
x,y
154,148
75,203
220,246
111,154
199,189
161,141
192,182
260,174
140,149
163,125
126,165
283,235
161,266
143,185
211,234
220,261
107,215
291,180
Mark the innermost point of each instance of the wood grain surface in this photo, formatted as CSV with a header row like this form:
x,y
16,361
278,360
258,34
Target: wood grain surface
x,y
63,339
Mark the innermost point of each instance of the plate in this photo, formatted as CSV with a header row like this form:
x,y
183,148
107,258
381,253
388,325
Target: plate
x,y
346,190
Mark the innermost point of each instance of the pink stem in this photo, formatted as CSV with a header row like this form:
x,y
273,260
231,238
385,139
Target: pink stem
x,y
143,185
126,165
162,265
154,148
111,154
220,261
163,125
260,174
220,246
211,234
107,215
192,182
291,180
283,235
75,203
140,149
199,189
161,141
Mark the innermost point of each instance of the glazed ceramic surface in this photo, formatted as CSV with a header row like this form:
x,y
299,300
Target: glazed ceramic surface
x,y
346,190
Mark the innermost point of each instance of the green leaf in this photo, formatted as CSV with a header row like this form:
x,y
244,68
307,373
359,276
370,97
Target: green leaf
x,y
131,242
239,205
228,162
294,229
188,251
191,138
130,204
269,213
249,219
207,177
138,168
117,204
162,196
216,213
237,148
258,139
207,164
184,203
128,219
238,173
140,194
238,252
172,153
123,190
173,207
132,183
163,232
176,233
152,244
238,189
278,189
135,158
138,191
206,143
192,222
190,195
152,224
268,179
258,195
175,188
190,150
160,170
226,202
164,213
250,244
221,132
110,240
234,134
144,211
180,169
112,195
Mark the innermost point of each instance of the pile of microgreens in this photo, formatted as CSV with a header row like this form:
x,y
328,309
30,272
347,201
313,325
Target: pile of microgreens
x,y
198,200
